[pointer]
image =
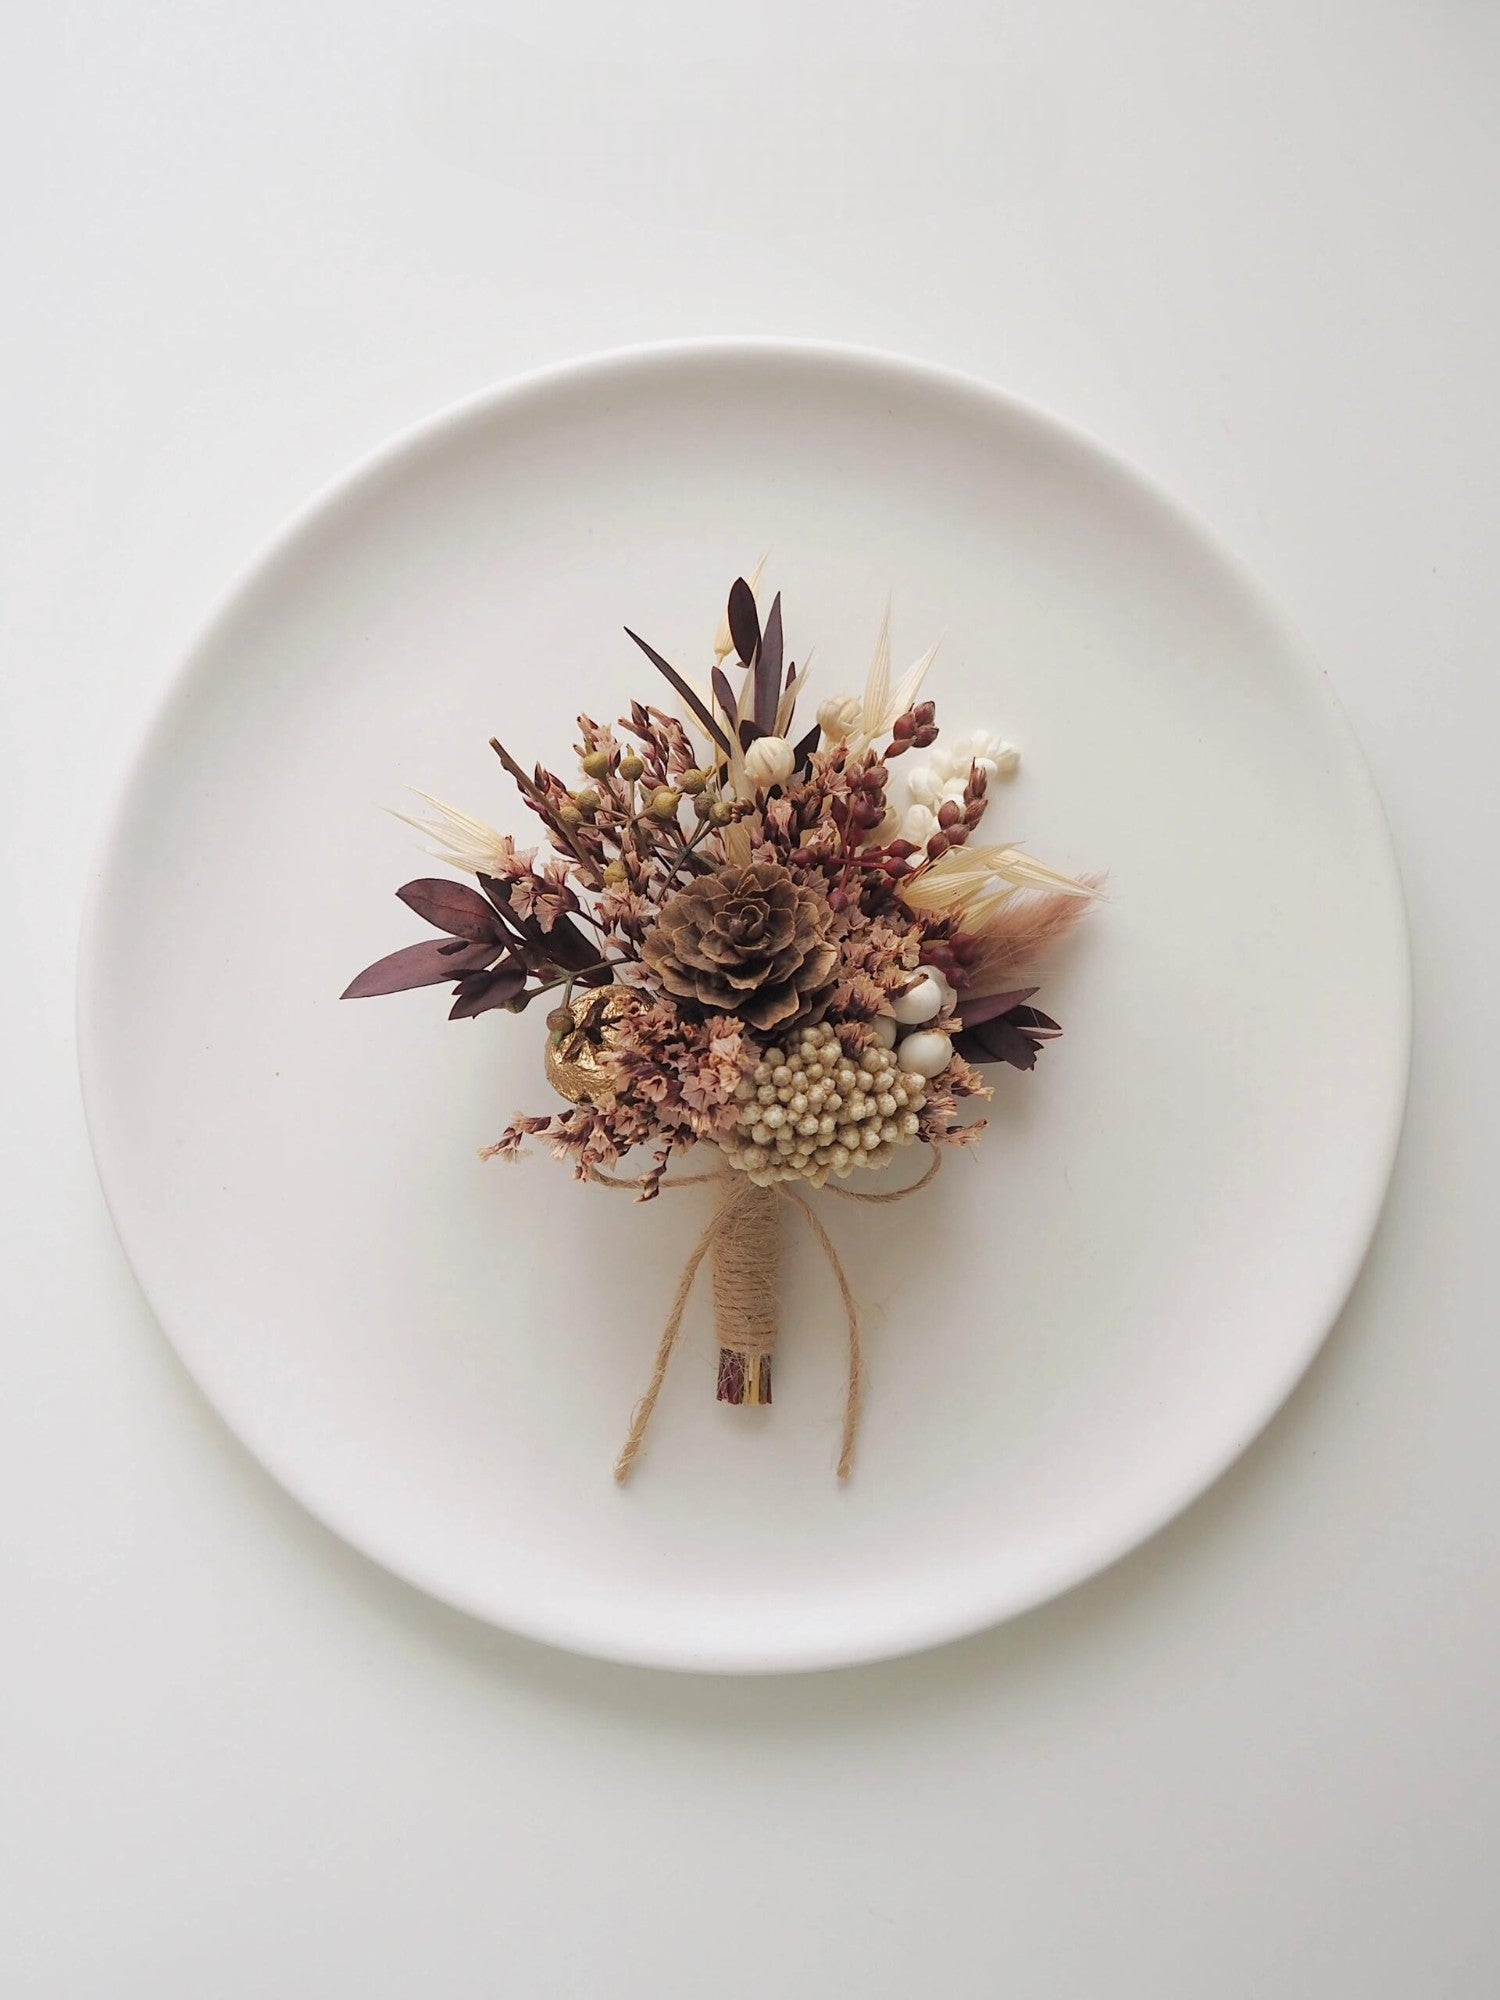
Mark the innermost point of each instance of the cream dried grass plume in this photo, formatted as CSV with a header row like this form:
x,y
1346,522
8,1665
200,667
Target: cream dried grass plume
x,y
458,839
1017,930
723,639
966,877
882,703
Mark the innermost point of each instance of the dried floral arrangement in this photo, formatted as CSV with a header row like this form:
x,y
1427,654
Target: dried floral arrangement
x,y
777,944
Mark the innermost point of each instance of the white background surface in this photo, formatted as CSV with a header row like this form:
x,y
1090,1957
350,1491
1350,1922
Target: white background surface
x,y
1254,249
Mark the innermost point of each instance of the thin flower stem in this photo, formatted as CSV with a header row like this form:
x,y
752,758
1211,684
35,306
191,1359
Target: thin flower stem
x,y
568,978
687,848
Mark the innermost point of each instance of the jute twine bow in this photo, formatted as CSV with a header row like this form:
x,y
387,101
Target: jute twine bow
x,y
744,1235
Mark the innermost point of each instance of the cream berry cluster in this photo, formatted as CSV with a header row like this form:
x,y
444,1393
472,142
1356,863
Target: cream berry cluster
x,y
940,777
814,1108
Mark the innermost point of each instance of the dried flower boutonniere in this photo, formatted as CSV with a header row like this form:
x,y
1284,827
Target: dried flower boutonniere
x,y
766,943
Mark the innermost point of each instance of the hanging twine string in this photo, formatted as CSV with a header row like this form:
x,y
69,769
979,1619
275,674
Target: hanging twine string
x,y
743,1234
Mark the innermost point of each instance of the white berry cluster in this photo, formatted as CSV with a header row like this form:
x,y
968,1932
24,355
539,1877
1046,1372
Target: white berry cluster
x,y
942,774
812,1109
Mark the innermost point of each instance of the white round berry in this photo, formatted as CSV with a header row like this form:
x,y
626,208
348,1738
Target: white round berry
x,y
922,1001
926,1053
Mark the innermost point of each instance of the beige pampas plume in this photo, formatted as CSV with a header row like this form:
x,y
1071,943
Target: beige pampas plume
x,y
1016,932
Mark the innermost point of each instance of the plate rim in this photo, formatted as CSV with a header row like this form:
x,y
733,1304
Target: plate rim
x,y
1092,1556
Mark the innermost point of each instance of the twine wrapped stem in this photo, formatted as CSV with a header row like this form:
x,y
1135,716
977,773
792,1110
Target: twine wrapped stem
x,y
747,1265
745,1237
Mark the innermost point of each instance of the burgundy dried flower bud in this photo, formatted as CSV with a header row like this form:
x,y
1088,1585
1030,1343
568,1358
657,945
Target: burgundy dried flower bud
x,y
902,850
838,810
872,780
903,726
924,713
868,812
958,835
974,813
938,846
839,900
926,735
895,864
631,767
965,947
803,856
898,748
949,814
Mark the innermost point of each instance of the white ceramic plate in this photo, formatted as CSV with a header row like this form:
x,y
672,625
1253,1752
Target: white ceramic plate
x,y
1069,1336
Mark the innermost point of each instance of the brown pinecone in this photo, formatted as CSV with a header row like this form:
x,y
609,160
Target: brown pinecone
x,y
747,941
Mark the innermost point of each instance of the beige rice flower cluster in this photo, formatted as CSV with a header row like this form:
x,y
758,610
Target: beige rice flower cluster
x,y
817,1107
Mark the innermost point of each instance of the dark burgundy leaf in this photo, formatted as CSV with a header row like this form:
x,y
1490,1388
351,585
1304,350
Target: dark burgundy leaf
x,y
806,747
452,907
693,701
748,732
768,670
1035,1022
744,620
568,946
483,990
996,1042
987,1005
1014,1038
434,962
724,695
